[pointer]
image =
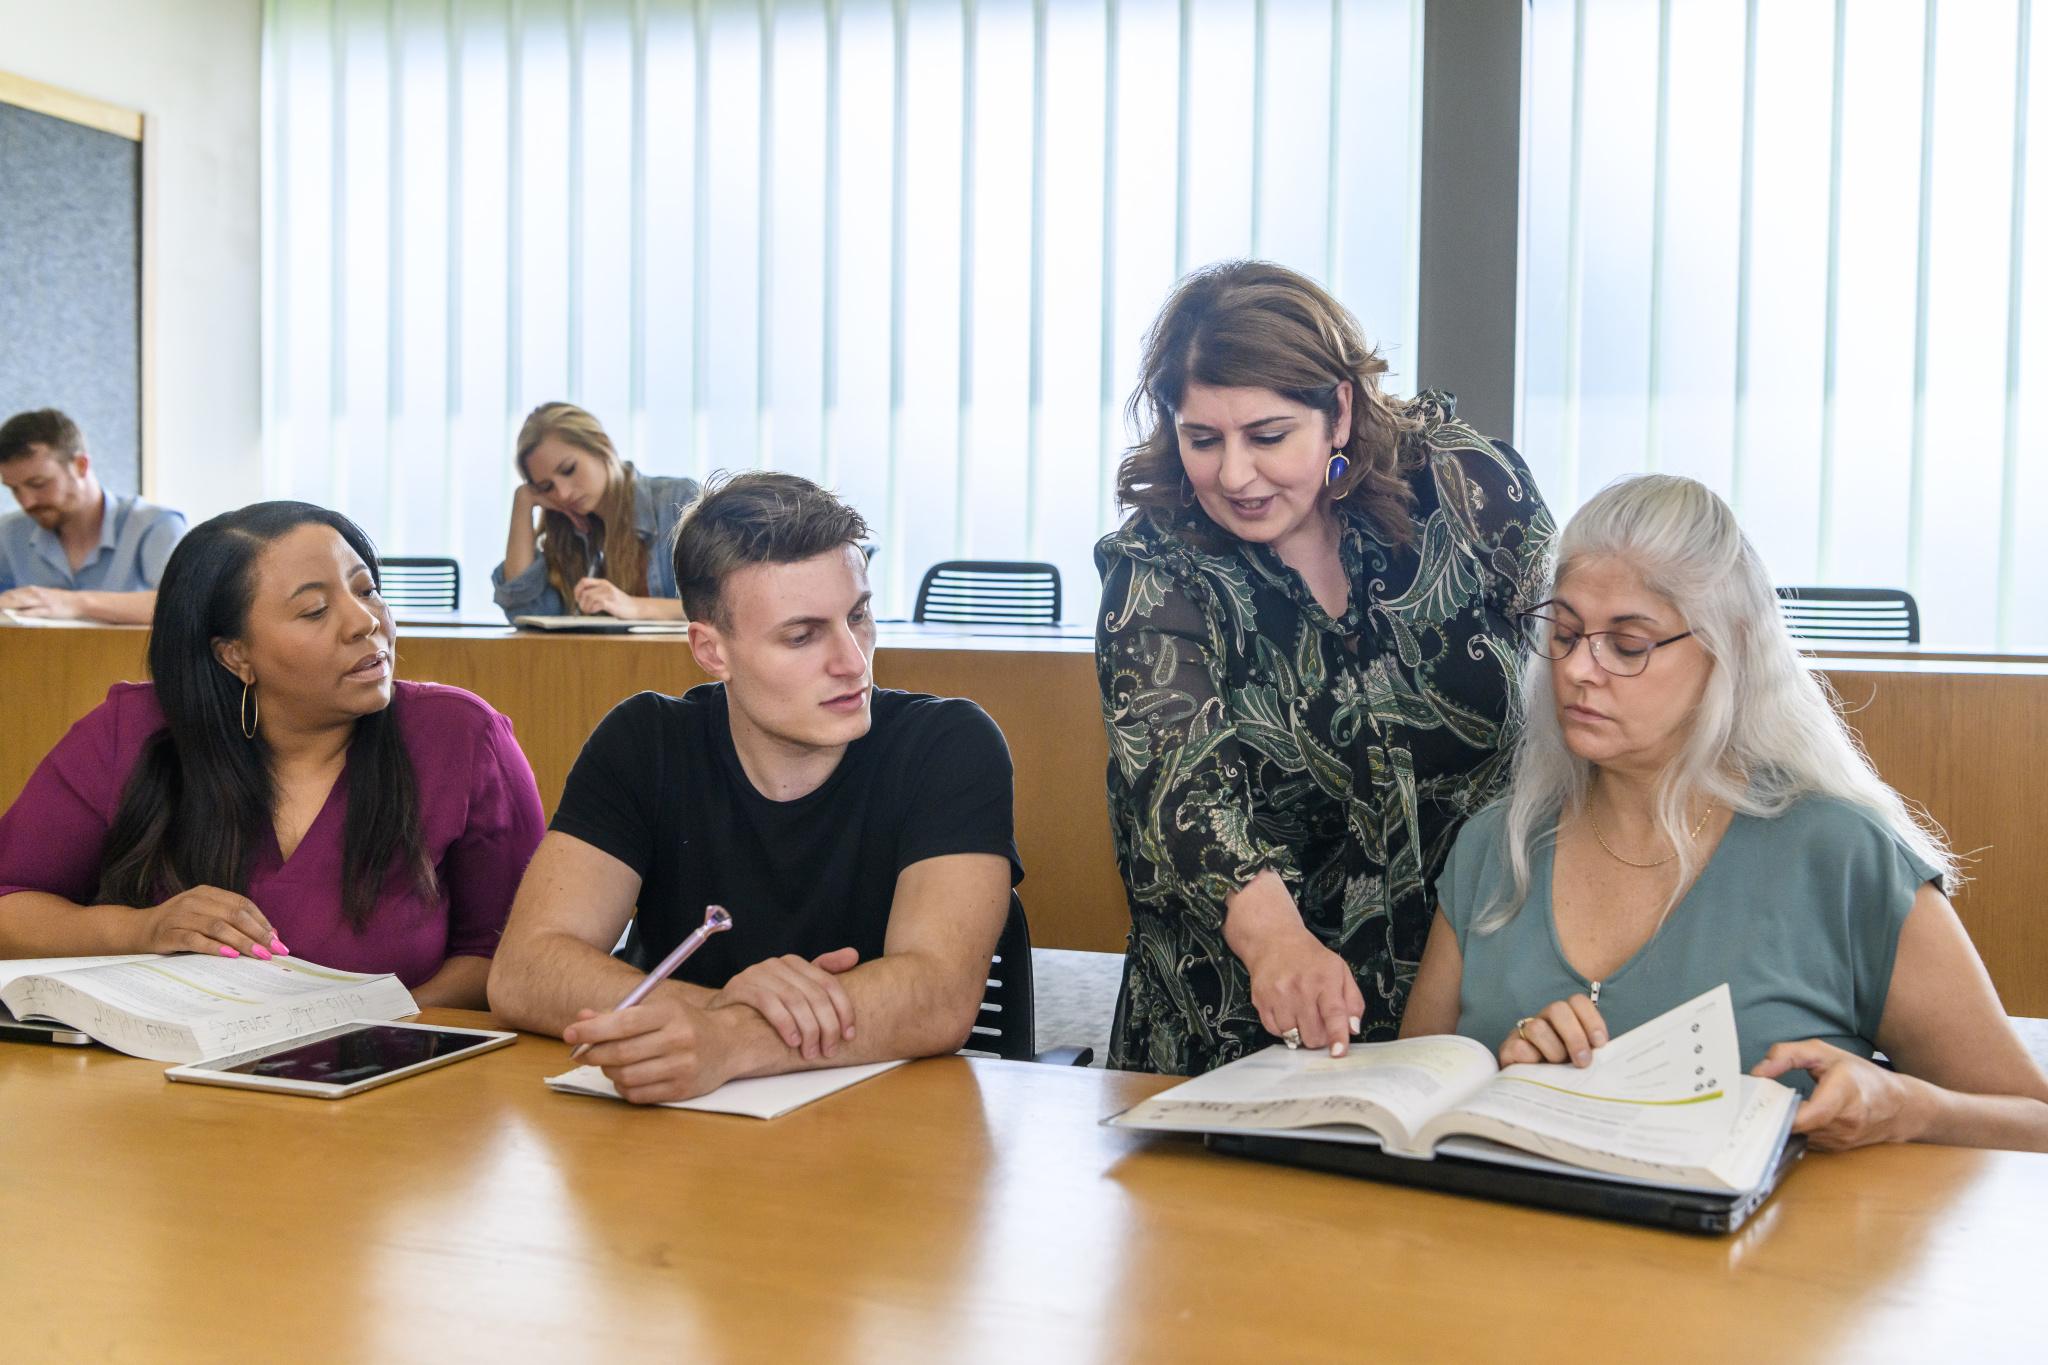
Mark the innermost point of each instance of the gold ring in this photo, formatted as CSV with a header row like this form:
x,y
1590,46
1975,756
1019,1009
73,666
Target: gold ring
x,y
1521,1032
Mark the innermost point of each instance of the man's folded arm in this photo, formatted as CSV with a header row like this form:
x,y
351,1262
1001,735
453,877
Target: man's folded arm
x,y
921,997
555,957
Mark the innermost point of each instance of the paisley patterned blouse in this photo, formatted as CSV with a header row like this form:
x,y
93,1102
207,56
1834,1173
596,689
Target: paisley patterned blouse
x,y
1248,730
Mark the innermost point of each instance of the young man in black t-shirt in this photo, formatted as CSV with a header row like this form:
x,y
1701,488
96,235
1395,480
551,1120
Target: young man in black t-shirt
x,y
862,840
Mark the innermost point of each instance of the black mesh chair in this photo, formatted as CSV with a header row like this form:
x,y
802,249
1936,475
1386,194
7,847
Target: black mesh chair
x,y
1003,592
1854,615
1006,1027
421,584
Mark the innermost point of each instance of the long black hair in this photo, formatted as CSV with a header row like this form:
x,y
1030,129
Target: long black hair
x,y
197,806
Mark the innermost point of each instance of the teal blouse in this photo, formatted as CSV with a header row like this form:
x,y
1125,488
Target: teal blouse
x,y
1800,915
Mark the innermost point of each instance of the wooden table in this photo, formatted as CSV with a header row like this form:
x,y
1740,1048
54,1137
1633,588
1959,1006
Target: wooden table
x,y
1966,739
948,1211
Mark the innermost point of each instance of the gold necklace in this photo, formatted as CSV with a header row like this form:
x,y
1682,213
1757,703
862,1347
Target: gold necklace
x,y
1693,837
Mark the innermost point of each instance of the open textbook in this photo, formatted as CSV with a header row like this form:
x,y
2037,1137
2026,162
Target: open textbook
x,y
188,1006
1665,1104
759,1097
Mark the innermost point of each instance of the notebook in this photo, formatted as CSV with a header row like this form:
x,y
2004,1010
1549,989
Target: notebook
x,y
760,1097
601,625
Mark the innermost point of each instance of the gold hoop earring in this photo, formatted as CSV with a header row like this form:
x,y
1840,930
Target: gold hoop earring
x,y
249,720
1187,492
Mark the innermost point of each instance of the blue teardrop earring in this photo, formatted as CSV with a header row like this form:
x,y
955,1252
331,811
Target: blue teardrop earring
x,y
1337,468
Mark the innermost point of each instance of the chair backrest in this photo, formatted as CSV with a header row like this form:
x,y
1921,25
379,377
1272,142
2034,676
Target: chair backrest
x,y
1868,615
431,584
990,592
1005,1027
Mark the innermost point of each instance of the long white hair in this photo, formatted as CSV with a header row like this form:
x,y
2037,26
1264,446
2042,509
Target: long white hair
x,y
1766,732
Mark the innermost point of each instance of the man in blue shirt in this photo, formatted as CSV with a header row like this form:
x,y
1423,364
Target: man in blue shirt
x,y
73,551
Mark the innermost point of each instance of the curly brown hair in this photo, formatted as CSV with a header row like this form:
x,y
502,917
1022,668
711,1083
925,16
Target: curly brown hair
x,y
1253,324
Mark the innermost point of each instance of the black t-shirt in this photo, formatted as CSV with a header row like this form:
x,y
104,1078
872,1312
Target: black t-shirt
x,y
659,787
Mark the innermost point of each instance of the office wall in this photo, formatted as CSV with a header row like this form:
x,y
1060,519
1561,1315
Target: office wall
x,y
192,68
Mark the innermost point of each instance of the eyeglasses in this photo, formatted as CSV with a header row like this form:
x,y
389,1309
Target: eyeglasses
x,y
1622,653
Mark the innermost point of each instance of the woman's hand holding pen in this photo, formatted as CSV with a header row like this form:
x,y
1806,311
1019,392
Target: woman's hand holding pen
x,y
602,597
801,999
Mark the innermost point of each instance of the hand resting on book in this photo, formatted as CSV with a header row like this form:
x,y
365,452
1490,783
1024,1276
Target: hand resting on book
x,y
207,919
1563,1030
1855,1102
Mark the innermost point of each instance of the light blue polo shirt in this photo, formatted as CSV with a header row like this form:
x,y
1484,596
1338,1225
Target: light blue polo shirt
x,y
136,540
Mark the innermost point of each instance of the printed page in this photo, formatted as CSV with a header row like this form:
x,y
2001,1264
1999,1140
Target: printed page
x,y
759,1097
1391,1088
13,969
191,1006
1661,1102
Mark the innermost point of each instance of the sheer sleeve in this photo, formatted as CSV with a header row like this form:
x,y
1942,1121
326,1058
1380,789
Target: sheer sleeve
x,y
1496,511
1188,833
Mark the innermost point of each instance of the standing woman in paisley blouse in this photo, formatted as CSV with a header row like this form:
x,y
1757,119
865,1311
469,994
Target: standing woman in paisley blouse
x,y
1306,651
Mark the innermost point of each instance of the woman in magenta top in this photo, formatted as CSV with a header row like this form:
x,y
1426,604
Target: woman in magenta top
x,y
275,790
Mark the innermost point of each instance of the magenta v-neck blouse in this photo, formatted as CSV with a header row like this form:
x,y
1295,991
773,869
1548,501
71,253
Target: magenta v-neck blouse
x,y
479,810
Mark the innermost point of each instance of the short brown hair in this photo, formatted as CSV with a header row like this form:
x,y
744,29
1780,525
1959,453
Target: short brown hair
x,y
1253,324
43,427
758,517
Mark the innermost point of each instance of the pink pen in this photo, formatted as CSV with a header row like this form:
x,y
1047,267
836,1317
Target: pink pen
x,y
716,919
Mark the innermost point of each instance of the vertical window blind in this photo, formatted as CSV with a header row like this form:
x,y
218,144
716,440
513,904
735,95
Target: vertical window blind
x,y
905,247
1782,247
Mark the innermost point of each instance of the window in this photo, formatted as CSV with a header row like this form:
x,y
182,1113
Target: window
x,y
1781,248
905,247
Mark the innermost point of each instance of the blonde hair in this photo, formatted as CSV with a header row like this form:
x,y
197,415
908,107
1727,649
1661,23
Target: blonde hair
x,y
1767,732
560,544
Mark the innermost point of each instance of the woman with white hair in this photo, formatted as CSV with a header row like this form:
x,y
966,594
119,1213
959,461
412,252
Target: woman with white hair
x,y
1687,808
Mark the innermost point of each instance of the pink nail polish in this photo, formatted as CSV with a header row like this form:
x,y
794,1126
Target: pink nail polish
x,y
260,952
226,951
277,946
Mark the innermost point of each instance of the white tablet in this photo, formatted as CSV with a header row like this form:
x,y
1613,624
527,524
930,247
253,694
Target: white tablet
x,y
343,1060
